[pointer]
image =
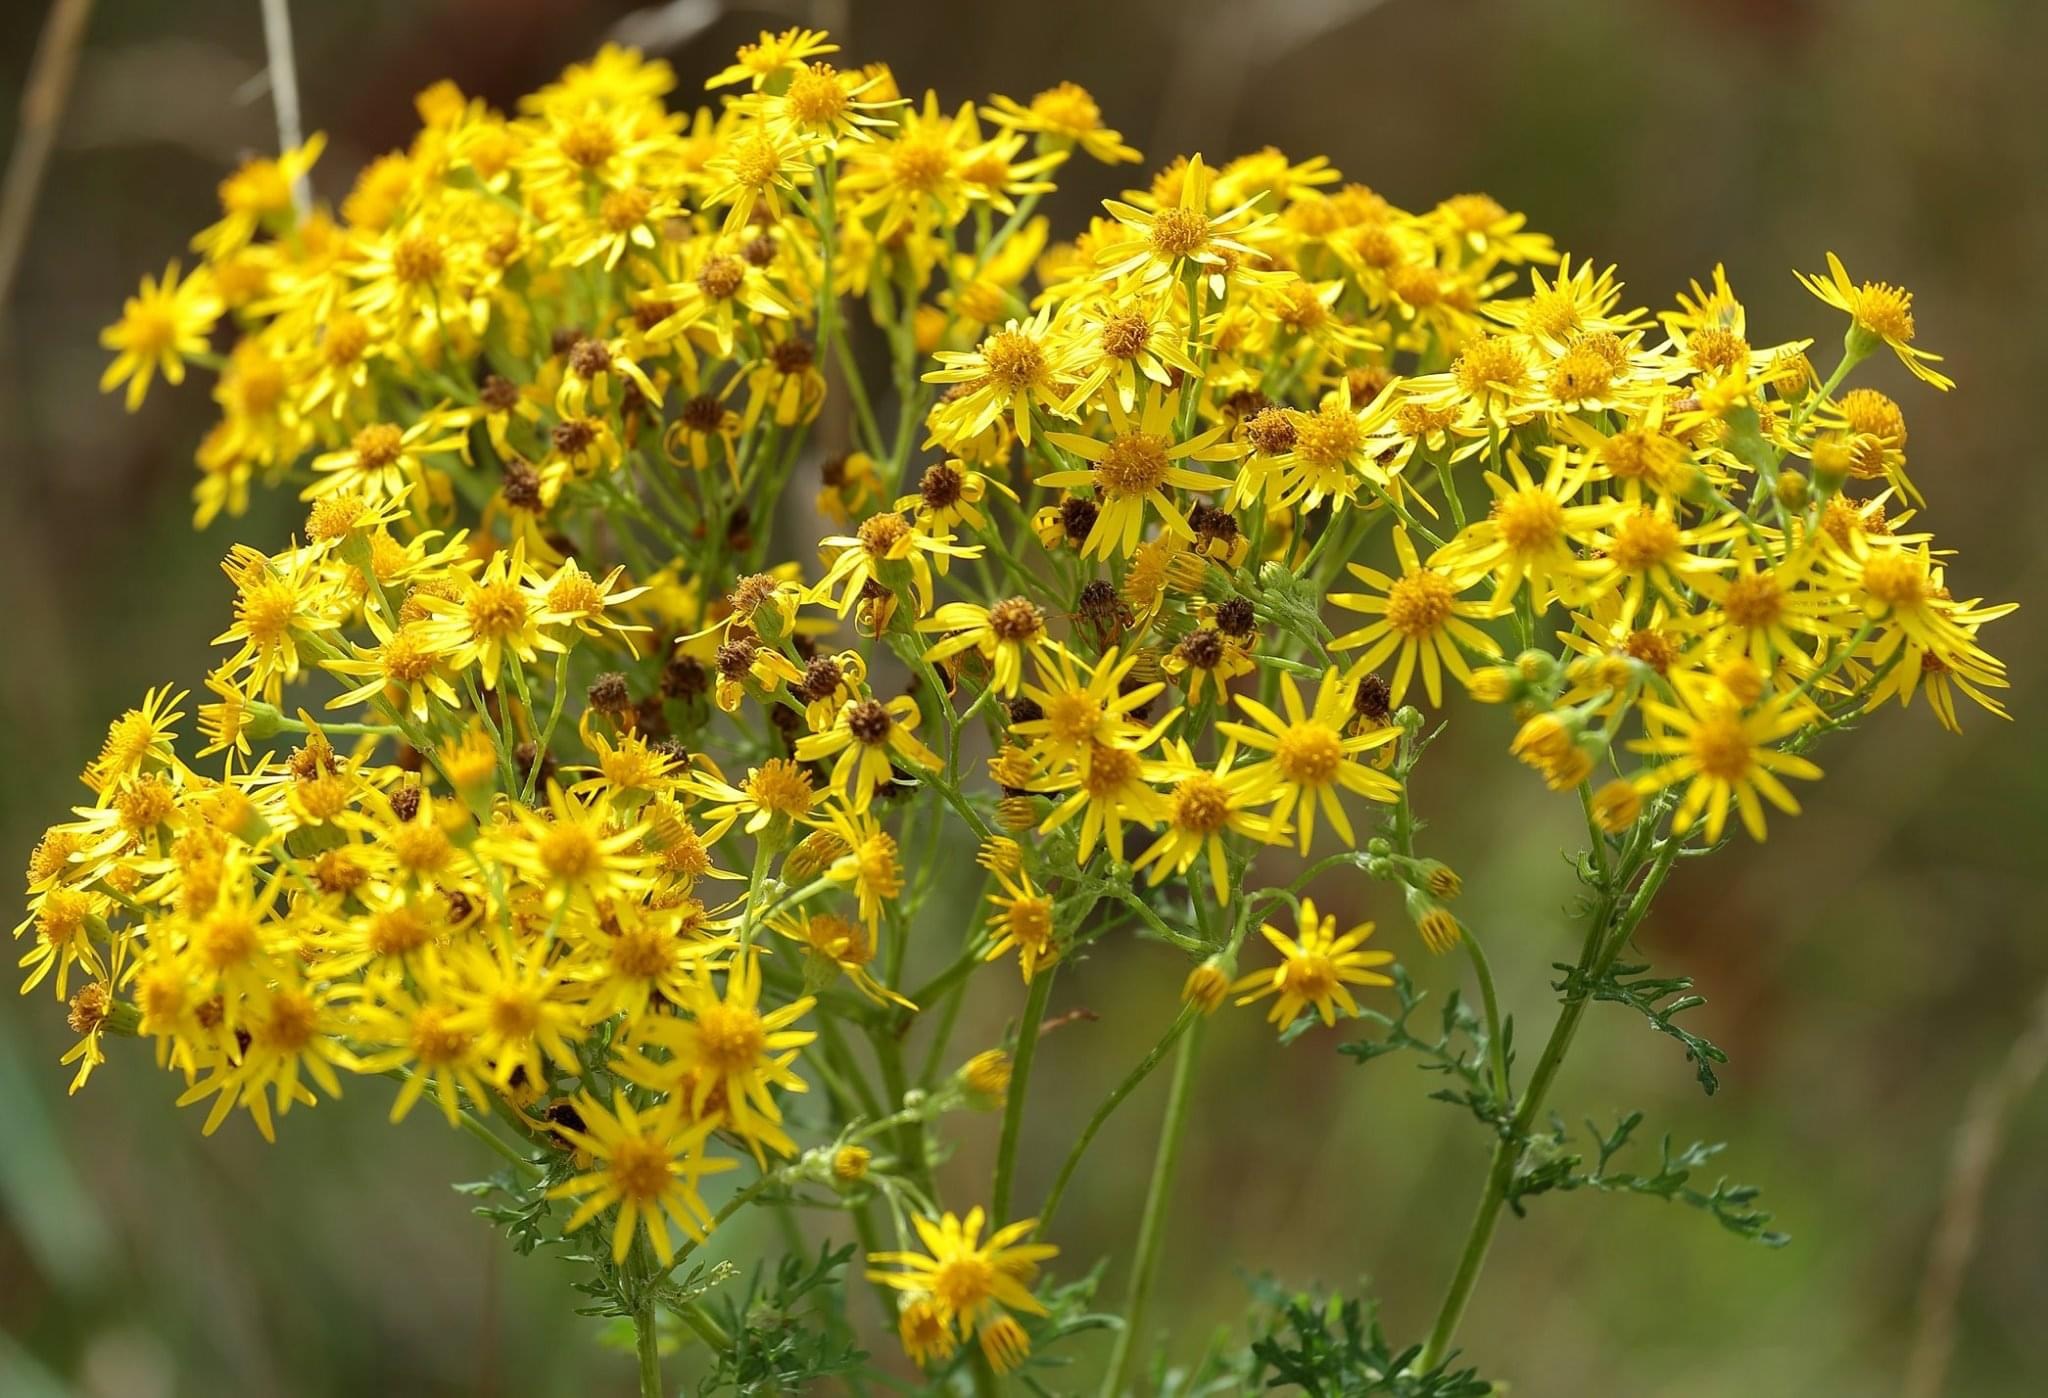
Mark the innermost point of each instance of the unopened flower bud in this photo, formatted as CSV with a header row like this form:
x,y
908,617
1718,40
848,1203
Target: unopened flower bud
x,y
1616,806
1206,985
986,1076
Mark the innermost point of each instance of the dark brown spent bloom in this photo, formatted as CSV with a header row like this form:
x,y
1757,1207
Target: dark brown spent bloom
x,y
499,394
1202,649
571,438
650,313
1015,619
410,759
1270,431
832,471
650,718
521,485
684,677
673,749
609,693
739,529
632,400
460,906
759,251
565,1115
791,356
564,338
1098,602
1077,517
405,802
703,413
589,358
736,656
1024,709
1373,701
941,486
821,679
1243,404
868,721
1210,523
1235,617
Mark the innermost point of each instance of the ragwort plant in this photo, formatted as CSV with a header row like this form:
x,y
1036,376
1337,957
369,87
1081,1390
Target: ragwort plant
x,y
536,778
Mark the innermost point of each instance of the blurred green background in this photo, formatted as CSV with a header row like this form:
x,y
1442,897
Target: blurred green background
x,y
1866,970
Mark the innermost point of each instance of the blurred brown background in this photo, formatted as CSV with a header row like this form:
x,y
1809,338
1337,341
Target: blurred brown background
x,y
1865,970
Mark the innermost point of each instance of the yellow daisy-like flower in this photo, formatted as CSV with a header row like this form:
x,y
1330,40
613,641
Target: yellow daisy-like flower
x,y
649,1164
1069,115
1311,757
1725,755
1023,923
1136,467
1879,313
161,326
725,1057
970,1283
1317,968
863,735
1083,707
575,849
1204,805
1019,367
1421,617
1002,635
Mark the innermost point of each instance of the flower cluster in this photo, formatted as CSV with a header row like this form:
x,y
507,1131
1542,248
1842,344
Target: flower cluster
x,y
534,777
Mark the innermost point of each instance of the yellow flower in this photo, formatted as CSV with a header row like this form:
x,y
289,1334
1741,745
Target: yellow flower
x,y
970,1282
1078,713
1879,313
162,326
1316,969
1204,806
649,1164
1311,758
1725,756
1421,618
1002,635
1022,922
1067,114
1181,234
1015,370
1137,466
864,734
725,1057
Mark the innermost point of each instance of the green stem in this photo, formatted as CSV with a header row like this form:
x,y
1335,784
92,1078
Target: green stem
x,y
1115,1099
1020,1080
1598,953
1496,1049
648,1343
1152,1226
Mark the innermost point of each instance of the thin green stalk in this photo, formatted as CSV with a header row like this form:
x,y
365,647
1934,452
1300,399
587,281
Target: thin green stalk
x,y
1020,1080
1496,1049
1601,947
1109,1104
1152,1226
647,1342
